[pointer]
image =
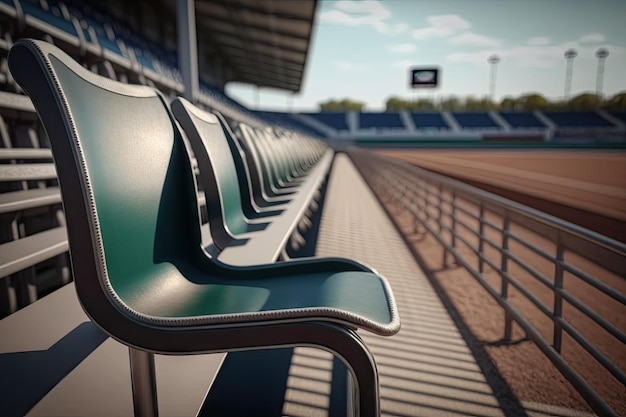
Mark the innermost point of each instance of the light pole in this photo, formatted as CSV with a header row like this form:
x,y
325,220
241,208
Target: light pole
x,y
601,54
570,54
493,62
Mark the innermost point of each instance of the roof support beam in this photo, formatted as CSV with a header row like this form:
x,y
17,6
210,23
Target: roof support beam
x,y
187,47
263,11
256,26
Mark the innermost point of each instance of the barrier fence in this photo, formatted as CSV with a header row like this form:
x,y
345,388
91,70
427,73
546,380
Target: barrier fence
x,y
530,252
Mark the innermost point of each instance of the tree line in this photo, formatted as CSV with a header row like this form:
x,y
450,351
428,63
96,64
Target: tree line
x,y
526,102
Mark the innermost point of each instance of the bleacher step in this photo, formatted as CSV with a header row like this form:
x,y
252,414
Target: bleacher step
x,y
68,367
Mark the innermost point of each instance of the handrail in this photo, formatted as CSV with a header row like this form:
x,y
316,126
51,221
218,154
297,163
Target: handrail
x,y
441,205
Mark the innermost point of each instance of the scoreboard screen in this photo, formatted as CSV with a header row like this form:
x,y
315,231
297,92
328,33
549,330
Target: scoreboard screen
x,y
424,77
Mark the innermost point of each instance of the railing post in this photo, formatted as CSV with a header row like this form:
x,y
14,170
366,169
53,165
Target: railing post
x,y
481,238
440,222
427,204
421,198
558,300
415,204
453,218
504,268
143,382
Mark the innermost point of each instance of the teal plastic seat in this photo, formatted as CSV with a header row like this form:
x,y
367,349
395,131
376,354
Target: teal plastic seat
x,y
250,182
218,173
133,227
251,207
252,140
219,177
215,152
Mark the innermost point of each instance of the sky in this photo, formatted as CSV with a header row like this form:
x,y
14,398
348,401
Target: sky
x,y
363,49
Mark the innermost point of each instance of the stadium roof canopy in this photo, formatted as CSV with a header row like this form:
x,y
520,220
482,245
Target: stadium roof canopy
x,y
261,42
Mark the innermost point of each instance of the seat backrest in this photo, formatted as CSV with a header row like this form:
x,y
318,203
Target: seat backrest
x,y
272,156
249,140
245,165
126,180
218,172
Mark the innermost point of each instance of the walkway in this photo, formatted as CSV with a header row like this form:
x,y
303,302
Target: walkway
x,y
427,368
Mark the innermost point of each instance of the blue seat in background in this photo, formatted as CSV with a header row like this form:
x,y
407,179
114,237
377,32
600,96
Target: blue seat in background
x,y
522,120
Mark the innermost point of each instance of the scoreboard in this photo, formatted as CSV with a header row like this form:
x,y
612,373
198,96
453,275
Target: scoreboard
x,y
424,77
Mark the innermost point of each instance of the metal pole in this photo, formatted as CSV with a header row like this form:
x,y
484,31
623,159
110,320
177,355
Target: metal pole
x,y
454,218
440,220
601,54
504,269
187,47
143,381
493,62
557,336
570,54
481,236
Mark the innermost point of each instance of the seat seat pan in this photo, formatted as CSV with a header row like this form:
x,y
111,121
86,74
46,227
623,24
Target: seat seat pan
x,y
188,296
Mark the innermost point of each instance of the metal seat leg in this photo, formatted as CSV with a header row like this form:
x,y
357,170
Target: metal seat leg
x,y
143,380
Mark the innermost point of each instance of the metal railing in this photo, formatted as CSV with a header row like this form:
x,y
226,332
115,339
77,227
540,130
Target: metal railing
x,y
481,230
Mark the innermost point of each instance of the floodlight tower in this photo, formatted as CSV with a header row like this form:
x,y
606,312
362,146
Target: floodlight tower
x,y
570,54
601,54
493,60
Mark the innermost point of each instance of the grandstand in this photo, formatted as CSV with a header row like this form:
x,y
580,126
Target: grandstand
x,y
593,126
522,120
336,121
579,119
272,187
620,115
380,121
475,120
429,121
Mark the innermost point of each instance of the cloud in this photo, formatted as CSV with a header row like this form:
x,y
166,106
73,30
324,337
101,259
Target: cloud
x,y
402,48
474,39
592,38
397,28
362,13
371,8
348,66
538,41
403,64
344,65
441,26
456,29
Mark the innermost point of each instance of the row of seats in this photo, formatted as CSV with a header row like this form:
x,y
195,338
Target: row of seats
x,y
84,30
33,255
334,120
112,49
467,120
30,202
143,270
288,121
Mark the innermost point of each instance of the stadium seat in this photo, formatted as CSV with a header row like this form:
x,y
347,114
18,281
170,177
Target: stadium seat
x,y
140,273
619,114
219,177
380,121
218,173
475,120
582,119
335,120
429,121
522,120
252,207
